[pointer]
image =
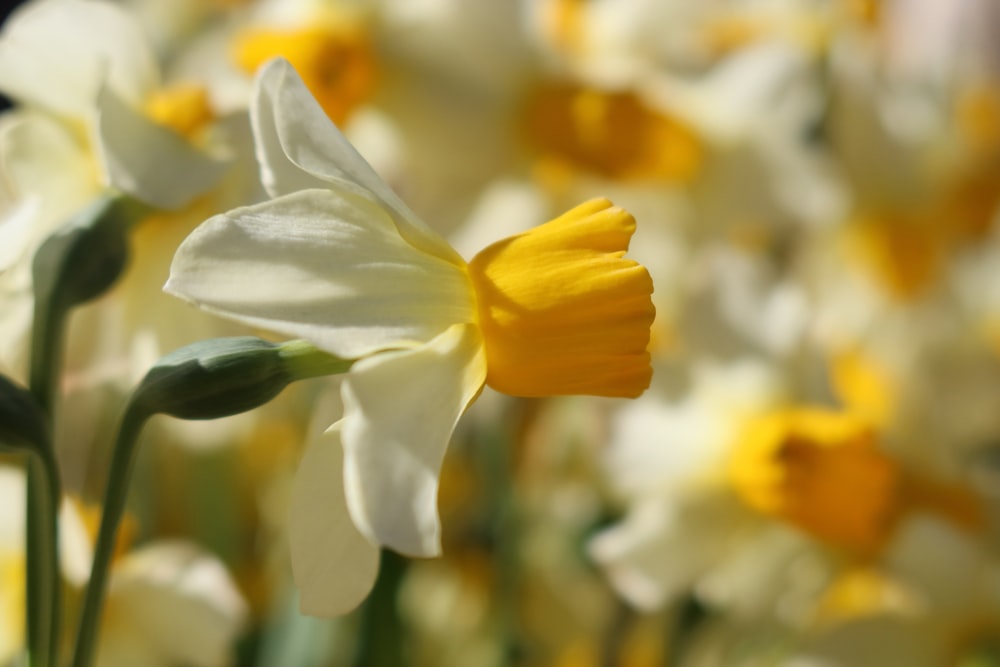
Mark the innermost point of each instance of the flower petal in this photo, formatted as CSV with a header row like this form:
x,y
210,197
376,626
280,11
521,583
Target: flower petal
x,y
40,157
12,494
55,53
400,410
325,266
171,603
662,548
334,565
148,161
299,147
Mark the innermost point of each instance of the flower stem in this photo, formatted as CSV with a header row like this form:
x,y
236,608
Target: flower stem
x,y
43,587
75,264
381,640
42,543
304,360
689,616
115,495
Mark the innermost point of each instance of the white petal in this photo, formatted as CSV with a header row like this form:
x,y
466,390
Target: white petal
x,y
41,157
17,233
148,161
299,147
179,600
76,552
660,550
334,565
16,314
926,552
12,499
324,266
76,549
400,409
55,53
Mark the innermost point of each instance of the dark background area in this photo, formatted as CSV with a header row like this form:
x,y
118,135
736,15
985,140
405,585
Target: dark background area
x,y
6,7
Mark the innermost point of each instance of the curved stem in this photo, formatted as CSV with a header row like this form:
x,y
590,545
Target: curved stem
x,y
43,583
74,265
42,543
43,588
115,495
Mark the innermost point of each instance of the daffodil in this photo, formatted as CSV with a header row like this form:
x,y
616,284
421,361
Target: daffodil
x,y
728,488
102,87
169,602
336,258
90,115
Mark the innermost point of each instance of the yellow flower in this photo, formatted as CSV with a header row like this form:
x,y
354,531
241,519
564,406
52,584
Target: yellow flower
x,y
611,133
337,62
821,471
336,258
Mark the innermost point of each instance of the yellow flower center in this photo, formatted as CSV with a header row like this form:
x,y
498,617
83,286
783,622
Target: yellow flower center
x,y
184,108
904,253
864,386
611,133
11,605
868,12
977,116
822,472
968,210
563,22
952,501
562,311
337,63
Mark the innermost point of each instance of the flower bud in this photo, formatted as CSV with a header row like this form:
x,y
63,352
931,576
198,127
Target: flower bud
x,y
84,257
213,378
226,376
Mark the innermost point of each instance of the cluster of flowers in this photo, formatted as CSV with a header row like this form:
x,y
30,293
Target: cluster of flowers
x,y
805,475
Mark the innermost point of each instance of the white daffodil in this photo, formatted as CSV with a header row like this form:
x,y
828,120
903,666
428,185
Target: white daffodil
x,y
168,602
338,259
729,486
103,85
89,115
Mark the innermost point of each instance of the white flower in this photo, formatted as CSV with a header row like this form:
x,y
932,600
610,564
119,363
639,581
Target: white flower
x,y
88,65
338,259
168,602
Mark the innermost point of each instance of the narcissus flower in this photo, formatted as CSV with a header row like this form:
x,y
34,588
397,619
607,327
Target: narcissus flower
x,y
336,258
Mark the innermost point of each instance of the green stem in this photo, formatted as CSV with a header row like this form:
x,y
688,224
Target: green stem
x,y
687,618
380,643
499,472
614,640
43,582
76,264
115,495
42,543
304,360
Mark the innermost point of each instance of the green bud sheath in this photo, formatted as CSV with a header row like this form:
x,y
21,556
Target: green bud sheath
x,y
214,378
